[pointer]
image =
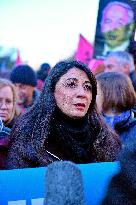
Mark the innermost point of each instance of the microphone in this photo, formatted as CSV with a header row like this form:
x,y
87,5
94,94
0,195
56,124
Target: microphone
x,y
64,184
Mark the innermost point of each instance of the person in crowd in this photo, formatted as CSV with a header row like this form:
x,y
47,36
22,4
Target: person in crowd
x,y
64,123
5,73
122,188
117,26
8,100
123,62
42,73
116,99
4,142
24,78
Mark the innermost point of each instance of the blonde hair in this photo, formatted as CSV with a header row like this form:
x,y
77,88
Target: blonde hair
x,y
4,83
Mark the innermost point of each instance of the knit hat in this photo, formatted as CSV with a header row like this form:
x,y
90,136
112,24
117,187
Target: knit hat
x,y
23,74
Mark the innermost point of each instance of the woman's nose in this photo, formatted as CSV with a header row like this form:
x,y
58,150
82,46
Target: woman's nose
x,y
81,92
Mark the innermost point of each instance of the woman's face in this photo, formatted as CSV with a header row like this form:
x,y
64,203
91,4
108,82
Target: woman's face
x,y
6,103
73,93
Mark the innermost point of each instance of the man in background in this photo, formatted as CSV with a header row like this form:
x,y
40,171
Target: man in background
x,y
123,62
117,26
24,78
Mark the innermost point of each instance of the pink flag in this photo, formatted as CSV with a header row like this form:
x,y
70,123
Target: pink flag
x,y
18,60
84,51
94,64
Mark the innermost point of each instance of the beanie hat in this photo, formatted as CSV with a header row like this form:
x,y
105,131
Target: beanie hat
x,y
23,74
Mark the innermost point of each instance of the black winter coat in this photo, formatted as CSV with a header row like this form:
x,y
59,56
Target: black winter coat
x,y
127,129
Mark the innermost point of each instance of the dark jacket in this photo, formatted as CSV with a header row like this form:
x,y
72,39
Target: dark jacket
x,y
4,141
127,130
126,127
22,152
122,188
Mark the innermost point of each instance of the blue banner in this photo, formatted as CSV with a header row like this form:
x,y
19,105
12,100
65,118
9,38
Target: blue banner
x,y
27,186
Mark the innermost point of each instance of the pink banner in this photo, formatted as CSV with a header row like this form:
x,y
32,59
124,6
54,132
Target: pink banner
x,y
96,65
84,51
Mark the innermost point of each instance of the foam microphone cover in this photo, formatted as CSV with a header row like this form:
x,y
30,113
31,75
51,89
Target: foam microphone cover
x,y
64,184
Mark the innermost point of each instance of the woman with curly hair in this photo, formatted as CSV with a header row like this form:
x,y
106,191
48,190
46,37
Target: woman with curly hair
x,y
64,123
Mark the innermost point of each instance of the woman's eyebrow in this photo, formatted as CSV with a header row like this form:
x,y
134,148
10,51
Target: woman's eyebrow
x,y
75,79
69,79
87,82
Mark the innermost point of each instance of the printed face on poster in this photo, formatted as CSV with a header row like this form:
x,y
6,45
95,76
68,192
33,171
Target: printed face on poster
x,y
115,27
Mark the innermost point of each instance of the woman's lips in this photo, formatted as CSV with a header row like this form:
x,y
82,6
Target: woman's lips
x,y
80,106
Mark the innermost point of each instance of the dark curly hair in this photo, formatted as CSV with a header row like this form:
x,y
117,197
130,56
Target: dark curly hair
x,y
32,128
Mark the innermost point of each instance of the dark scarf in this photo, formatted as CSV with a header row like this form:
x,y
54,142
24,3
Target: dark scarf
x,y
72,139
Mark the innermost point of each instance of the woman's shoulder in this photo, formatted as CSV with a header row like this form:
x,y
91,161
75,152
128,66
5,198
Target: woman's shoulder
x,y
107,145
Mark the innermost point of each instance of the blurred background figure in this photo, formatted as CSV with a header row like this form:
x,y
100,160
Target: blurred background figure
x,y
122,188
116,99
42,73
8,102
5,74
117,25
4,142
24,78
122,62
64,184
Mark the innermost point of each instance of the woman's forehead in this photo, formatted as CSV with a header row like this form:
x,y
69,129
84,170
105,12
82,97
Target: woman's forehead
x,y
75,73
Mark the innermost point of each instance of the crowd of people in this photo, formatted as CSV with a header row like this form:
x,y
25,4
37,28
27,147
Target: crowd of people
x,y
67,113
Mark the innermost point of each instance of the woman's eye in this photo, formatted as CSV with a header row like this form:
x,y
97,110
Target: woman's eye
x,y
71,85
88,87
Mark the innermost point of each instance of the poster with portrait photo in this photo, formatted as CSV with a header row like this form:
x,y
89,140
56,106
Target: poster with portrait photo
x,y
115,27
